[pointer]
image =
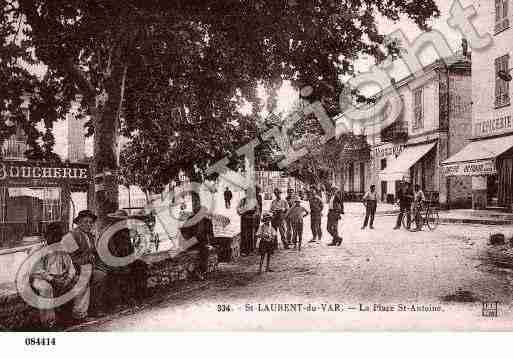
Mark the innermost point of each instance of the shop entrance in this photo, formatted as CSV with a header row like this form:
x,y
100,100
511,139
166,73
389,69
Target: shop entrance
x,y
383,191
492,191
26,211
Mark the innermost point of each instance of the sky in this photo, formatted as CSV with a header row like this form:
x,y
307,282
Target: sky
x,y
288,96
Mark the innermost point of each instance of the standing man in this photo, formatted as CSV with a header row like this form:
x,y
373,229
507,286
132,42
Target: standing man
x,y
86,254
316,207
418,201
246,210
278,209
228,195
405,198
290,203
336,209
203,230
259,210
370,201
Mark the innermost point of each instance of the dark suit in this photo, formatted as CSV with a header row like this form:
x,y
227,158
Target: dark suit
x,y
203,230
87,254
405,197
335,211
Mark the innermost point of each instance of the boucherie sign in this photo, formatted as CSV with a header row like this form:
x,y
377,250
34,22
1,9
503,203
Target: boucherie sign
x,y
24,170
479,168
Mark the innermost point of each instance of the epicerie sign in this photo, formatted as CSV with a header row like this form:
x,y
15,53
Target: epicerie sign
x,y
493,126
481,168
387,151
8,171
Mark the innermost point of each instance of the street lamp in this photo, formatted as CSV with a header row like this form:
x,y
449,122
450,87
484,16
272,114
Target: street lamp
x,y
505,75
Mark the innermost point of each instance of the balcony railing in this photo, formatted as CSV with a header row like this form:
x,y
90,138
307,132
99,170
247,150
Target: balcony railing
x,y
397,132
14,150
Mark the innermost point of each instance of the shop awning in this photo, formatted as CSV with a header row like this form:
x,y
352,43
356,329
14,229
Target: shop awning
x,y
400,167
482,150
477,158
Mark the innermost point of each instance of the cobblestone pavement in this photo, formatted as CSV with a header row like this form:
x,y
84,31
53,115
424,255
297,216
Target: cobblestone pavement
x,y
448,268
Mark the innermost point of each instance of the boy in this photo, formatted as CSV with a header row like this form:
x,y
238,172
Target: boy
x,y
278,208
370,201
295,216
268,238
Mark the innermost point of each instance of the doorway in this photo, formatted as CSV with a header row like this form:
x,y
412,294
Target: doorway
x,y
492,191
383,191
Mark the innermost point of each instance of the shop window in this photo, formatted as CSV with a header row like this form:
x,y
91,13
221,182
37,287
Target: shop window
x,y
418,109
501,16
26,213
501,86
383,164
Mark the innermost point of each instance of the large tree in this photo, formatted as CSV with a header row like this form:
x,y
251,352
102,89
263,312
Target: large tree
x,y
185,64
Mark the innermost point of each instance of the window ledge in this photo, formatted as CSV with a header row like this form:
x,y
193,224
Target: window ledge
x,y
502,105
499,31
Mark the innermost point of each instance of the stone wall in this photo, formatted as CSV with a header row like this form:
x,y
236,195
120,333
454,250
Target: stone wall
x,y
15,314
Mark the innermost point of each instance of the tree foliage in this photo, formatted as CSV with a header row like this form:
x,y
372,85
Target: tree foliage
x,y
170,74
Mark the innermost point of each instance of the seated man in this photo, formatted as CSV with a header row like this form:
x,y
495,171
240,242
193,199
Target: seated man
x,y
125,283
53,276
86,254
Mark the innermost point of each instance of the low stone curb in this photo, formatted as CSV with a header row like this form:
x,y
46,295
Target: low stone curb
x,y
488,222
449,220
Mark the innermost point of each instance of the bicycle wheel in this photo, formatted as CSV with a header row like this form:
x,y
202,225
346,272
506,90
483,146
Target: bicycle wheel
x,y
405,222
433,220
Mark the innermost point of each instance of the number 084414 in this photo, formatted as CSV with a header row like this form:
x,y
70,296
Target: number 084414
x,y
40,341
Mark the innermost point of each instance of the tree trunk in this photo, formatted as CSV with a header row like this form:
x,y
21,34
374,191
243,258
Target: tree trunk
x,y
105,163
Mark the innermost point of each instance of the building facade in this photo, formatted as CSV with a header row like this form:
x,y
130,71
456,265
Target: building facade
x,y
36,193
435,123
488,159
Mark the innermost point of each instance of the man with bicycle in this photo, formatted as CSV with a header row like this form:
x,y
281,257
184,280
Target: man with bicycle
x,y
404,198
418,201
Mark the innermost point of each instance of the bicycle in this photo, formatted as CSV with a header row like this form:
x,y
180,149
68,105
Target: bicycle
x,y
427,215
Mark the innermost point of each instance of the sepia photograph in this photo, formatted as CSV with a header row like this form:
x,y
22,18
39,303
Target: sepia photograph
x,y
255,166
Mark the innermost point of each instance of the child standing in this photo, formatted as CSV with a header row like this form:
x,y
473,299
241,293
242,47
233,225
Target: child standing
x,y
295,216
268,239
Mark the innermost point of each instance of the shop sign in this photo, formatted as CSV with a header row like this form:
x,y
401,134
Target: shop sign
x,y
29,171
387,151
480,168
493,126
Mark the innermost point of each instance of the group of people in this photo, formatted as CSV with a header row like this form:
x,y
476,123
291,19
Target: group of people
x,y
285,220
410,202
58,272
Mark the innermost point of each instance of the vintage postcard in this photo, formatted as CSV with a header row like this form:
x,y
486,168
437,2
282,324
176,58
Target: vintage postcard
x,y
256,165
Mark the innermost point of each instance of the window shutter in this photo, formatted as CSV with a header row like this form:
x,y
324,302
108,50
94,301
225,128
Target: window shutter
x,y
417,100
501,15
497,82
505,88
505,18
498,10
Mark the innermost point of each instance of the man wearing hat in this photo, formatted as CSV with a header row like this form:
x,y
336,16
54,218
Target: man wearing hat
x,y
316,207
290,203
278,209
247,209
336,209
405,198
86,254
